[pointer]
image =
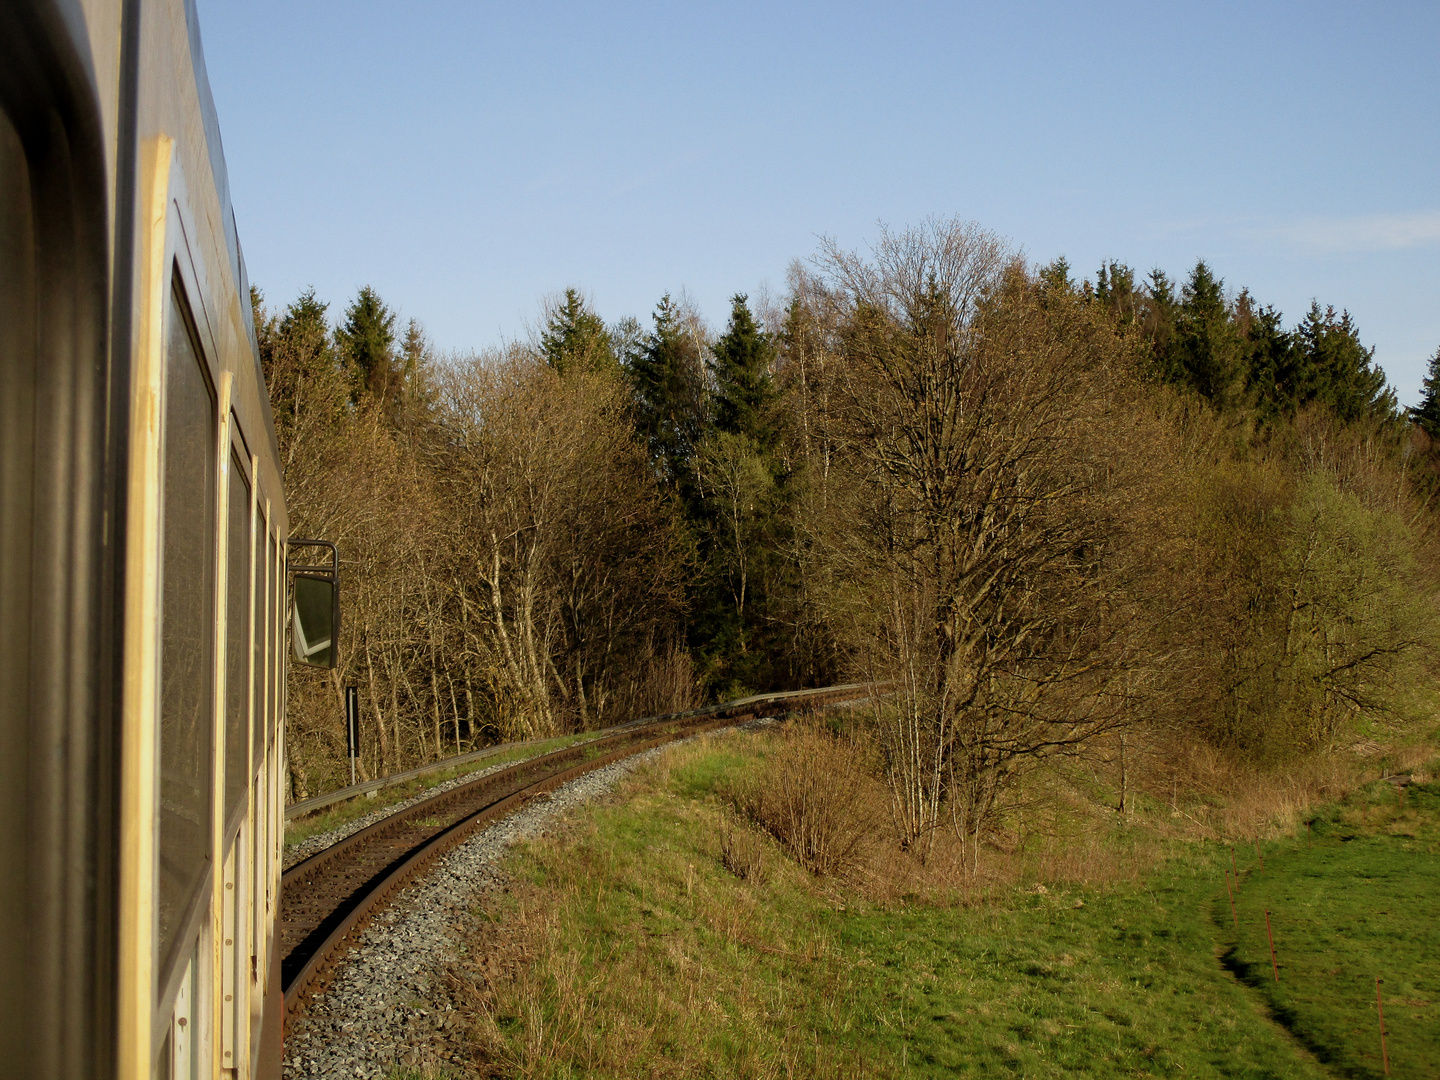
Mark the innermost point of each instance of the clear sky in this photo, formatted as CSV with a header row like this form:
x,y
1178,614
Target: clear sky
x,y
467,159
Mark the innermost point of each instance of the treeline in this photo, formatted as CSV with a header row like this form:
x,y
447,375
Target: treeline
x,y
1046,511
509,566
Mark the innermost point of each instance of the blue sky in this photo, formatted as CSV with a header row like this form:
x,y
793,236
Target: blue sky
x,y
467,159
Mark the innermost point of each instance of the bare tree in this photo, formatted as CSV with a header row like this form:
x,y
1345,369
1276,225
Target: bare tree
x,y
972,513
571,559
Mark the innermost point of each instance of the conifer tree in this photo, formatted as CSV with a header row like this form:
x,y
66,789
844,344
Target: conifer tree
x,y
296,355
741,517
367,346
1341,370
1206,352
305,327
1427,413
1272,373
1057,274
309,392
414,349
1115,289
413,403
745,394
671,409
1157,322
575,338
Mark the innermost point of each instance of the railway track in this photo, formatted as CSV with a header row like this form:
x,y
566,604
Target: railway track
x,y
328,897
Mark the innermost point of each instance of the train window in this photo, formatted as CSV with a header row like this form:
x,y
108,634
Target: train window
x,y
237,646
262,636
187,626
277,676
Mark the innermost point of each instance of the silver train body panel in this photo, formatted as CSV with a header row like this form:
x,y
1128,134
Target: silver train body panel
x,y
142,575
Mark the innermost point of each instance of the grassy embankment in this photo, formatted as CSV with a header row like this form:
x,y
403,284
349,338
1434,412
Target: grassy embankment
x,y
629,949
1355,898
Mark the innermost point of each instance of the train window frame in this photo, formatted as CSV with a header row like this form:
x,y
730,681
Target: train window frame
x,y
320,609
259,579
278,620
185,275
239,473
169,962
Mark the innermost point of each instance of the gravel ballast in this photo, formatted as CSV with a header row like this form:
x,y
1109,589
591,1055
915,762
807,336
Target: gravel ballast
x,y
382,1013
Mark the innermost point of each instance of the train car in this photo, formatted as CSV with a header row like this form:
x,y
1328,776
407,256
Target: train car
x,y
144,589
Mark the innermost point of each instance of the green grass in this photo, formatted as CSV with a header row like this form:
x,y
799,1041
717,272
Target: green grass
x,y
640,955
343,813
1126,985
656,961
1356,898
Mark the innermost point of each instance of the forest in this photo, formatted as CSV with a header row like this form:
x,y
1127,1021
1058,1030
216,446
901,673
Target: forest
x,y
1049,513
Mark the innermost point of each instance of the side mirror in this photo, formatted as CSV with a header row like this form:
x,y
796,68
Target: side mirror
x,y
315,626
317,618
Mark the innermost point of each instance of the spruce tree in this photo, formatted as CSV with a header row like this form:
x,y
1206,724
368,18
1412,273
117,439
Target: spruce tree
x,y
1206,352
1115,289
1157,322
306,330
367,346
574,338
306,383
1272,373
1057,275
741,520
414,349
413,403
1427,413
671,409
1338,370
745,394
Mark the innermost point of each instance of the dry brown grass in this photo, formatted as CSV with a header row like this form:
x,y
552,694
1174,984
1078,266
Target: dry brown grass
x,y
817,798
742,852
1199,792
816,793
820,797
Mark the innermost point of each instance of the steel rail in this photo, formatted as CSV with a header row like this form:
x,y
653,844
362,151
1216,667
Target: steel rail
x,y
315,804
311,958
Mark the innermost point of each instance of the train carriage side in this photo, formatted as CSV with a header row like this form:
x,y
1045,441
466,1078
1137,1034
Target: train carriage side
x,y
143,594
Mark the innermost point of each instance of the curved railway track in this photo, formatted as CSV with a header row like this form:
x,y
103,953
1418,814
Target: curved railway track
x,y
326,898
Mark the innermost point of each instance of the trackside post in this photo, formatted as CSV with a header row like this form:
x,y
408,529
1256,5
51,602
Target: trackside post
x,y
352,727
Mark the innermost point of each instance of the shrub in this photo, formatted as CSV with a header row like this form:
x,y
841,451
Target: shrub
x,y
815,793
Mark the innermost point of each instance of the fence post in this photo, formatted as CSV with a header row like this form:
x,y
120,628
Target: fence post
x,y
1271,936
1380,1008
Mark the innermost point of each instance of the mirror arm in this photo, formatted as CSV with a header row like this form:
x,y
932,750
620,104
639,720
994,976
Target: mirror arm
x,y
333,569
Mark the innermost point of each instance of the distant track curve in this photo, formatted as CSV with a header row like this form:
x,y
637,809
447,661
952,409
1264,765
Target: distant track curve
x,y
326,898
